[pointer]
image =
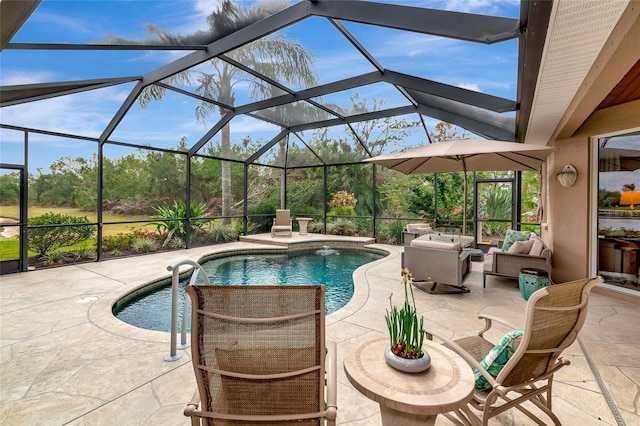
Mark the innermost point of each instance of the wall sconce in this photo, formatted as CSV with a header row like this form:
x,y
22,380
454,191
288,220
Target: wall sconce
x,y
568,176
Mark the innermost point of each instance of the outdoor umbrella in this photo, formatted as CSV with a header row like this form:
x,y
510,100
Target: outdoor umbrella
x,y
463,155
619,160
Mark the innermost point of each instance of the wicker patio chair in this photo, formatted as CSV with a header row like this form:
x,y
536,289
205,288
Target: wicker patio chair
x,y
282,223
259,356
554,317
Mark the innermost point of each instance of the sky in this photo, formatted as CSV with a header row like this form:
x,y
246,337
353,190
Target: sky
x,y
488,69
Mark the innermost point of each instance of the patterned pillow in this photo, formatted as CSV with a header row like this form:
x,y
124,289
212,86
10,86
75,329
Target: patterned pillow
x,y
513,236
497,357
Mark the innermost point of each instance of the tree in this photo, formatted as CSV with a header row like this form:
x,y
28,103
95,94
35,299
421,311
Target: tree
x,y
445,131
274,56
10,188
628,187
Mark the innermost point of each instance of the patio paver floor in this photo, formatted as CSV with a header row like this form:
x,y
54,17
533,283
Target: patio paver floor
x,y
64,358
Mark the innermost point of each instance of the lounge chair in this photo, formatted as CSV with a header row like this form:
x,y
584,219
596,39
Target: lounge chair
x,y
554,316
259,356
282,223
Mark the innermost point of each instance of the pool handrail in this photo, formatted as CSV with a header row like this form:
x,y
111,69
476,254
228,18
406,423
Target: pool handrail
x,y
175,279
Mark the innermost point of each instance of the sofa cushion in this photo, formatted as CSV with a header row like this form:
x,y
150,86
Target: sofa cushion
x,y
537,247
513,236
498,357
520,247
442,245
487,265
418,228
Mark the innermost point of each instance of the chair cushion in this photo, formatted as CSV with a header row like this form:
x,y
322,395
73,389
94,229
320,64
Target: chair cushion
x,y
537,247
442,245
513,236
497,358
520,247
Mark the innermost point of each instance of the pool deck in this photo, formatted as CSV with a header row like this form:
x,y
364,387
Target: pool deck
x,y
65,359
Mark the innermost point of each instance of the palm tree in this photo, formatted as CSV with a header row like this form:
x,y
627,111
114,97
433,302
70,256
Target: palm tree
x,y
284,60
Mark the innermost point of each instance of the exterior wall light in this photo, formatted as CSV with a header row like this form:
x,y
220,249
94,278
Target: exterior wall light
x,y
568,176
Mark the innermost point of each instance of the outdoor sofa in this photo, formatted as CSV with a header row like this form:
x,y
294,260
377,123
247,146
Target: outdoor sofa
x,y
528,252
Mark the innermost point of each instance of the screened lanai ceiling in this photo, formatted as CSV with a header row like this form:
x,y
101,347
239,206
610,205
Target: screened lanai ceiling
x,y
241,78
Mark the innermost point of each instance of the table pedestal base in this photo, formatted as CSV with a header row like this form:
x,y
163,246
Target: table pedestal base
x,y
394,417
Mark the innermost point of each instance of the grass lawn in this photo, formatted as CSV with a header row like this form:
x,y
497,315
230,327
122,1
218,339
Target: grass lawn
x,y
13,212
10,247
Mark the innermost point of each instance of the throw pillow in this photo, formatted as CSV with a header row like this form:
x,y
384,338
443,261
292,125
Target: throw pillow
x,y
520,247
418,228
497,358
536,247
513,236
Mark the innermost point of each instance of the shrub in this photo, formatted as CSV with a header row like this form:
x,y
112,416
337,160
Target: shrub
x,y
123,242
48,239
144,244
57,257
316,227
391,233
263,223
343,199
172,219
341,211
221,234
342,227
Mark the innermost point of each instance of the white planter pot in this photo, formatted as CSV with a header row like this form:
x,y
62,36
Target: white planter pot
x,y
407,365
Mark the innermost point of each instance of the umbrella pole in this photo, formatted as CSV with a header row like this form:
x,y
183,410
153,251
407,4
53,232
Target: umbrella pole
x,y
464,202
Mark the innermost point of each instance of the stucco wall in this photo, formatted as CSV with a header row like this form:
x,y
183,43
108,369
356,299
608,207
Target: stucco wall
x,y
567,231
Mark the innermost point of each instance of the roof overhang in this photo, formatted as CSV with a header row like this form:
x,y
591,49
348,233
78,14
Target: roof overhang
x,y
13,14
590,47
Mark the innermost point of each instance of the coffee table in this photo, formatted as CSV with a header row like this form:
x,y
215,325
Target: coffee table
x,y
410,398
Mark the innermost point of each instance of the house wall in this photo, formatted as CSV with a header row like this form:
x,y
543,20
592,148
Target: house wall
x,y
567,220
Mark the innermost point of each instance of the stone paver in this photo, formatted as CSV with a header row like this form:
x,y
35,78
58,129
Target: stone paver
x,y
64,358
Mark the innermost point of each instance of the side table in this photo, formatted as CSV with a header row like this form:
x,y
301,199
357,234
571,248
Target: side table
x,y
302,224
410,399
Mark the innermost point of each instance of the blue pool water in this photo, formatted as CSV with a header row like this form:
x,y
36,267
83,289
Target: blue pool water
x,y
333,268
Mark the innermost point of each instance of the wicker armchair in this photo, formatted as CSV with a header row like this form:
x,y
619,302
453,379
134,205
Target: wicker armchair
x,y
259,356
439,263
554,317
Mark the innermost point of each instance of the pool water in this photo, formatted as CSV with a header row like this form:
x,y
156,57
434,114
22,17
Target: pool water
x,y
331,267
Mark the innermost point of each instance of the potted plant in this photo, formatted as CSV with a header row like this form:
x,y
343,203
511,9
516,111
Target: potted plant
x,y
406,332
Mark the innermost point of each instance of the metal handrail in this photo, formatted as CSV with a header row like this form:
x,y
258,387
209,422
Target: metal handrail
x,y
175,279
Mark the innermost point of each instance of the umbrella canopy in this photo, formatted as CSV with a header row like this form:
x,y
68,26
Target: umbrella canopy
x,y
462,155
619,160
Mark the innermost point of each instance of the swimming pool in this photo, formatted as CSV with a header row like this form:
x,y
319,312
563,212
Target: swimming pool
x,y
331,267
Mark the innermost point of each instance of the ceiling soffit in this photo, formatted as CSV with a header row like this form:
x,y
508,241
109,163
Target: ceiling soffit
x,y
577,33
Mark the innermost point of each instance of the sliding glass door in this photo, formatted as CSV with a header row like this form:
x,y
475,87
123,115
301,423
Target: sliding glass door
x,y
618,225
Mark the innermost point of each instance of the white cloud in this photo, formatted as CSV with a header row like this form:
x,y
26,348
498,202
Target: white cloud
x,y
488,7
14,77
470,86
84,114
69,25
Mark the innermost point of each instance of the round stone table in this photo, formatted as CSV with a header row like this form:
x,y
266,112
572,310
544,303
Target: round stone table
x,y
409,398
